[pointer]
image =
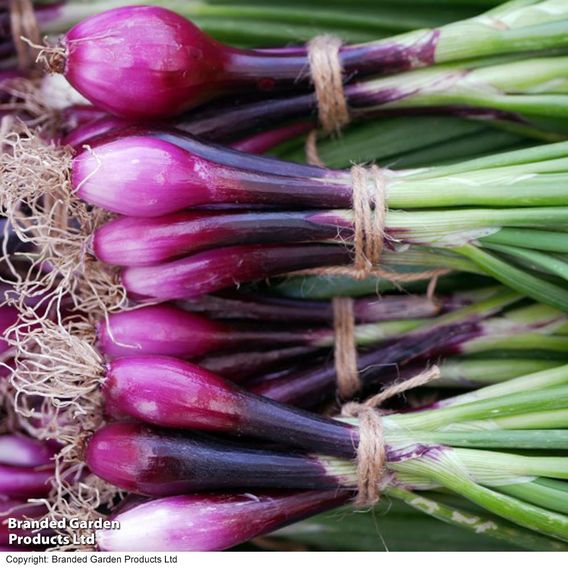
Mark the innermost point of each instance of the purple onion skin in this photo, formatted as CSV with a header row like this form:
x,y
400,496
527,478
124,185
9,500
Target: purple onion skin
x,y
24,482
158,174
160,463
308,387
210,271
131,241
6,77
82,133
168,392
21,451
78,124
209,522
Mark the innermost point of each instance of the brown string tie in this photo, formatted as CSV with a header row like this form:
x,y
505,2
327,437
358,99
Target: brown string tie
x,y
345,351
327,77
24,25
369,204
311,150
371,452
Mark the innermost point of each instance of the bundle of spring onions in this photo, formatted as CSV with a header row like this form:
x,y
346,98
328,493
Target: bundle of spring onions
x,y
502,215
497,447
86,54
180,316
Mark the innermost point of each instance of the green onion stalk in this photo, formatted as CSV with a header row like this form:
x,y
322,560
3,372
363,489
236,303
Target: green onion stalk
x,y
484,430
527,177
474,372
392,142
254,23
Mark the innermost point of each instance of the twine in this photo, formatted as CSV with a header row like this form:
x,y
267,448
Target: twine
x,y
371,452
311,150
369,199
345,352
24,27
327,77
369,210
369,204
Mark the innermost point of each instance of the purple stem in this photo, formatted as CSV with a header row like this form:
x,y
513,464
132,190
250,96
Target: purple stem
x,y
264,141
312,386
273,308
242,365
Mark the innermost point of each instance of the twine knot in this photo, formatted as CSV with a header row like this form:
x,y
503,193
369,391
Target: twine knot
x,y
371,451
369,212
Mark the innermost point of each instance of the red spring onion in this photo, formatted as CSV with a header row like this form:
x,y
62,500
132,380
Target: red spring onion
x,y
158,463
164,64
204,522
214,270
83,129
176,394
167,330
129,241
143,62
146,173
